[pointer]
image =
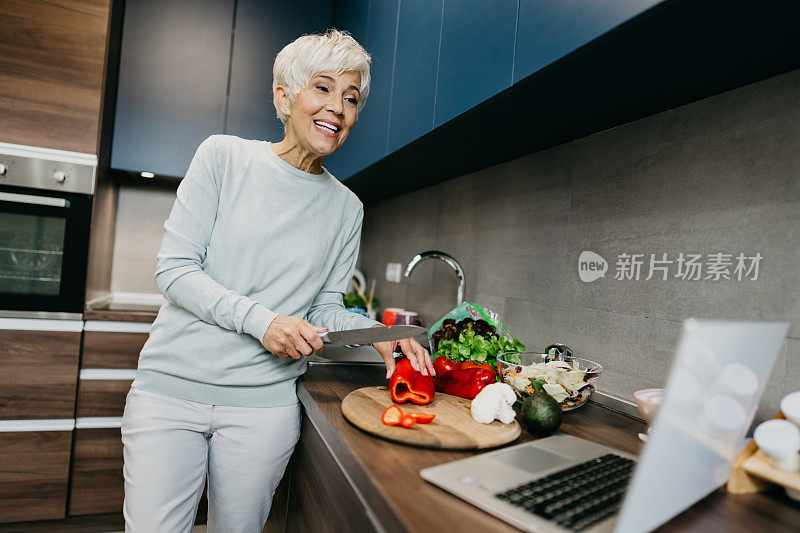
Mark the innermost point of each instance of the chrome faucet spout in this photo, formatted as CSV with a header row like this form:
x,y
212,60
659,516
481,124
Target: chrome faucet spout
x,y
447,258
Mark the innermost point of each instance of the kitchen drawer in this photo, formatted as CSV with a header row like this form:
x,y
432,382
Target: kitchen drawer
x,y
38,373
113,344
101,393
34,468
97,483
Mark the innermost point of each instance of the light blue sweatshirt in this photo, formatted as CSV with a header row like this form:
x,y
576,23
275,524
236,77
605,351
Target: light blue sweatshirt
x,y
249,237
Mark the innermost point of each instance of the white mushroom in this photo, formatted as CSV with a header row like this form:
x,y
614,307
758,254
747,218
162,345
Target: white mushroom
x,y
494,402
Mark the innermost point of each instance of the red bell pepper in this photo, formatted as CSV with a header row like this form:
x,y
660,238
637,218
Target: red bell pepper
x,y
473,364
408,384
466,383
442,364
392,416
423,418
407,420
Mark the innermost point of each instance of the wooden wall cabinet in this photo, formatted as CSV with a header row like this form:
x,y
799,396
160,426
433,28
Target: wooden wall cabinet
x,y
52,55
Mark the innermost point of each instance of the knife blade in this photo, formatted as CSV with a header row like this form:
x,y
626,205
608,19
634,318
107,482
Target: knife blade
x,y
370,335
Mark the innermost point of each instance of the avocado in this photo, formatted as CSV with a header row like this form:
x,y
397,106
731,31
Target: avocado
x,y
540,412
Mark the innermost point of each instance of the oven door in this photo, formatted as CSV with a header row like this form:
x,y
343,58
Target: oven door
x,y
44,239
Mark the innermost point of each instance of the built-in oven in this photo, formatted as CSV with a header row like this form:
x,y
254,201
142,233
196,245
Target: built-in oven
x,y
45,214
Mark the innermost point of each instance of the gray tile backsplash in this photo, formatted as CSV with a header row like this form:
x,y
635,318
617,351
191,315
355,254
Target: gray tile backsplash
x,y
718,175
141,212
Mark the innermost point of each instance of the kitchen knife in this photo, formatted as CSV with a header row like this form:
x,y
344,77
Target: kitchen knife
x,y
370,335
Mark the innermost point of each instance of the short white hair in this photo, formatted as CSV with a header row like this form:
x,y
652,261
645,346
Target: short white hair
x,y
302,59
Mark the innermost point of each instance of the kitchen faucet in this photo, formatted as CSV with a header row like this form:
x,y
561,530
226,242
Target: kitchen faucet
x,y
450,260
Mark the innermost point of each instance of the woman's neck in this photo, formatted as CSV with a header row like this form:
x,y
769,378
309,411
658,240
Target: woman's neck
x,y
296,155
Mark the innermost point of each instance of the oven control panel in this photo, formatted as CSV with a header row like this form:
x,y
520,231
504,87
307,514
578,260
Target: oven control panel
x,y
47,169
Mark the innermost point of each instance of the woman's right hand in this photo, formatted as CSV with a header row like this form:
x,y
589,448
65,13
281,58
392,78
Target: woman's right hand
x,y
290,336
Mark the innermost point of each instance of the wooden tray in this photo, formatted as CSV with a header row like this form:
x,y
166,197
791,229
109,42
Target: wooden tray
x,y
753,469
452,429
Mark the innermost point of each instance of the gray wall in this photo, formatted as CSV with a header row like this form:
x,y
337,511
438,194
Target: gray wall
x,y
718,175
141,212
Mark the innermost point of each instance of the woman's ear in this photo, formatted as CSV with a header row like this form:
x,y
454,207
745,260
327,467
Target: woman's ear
x,y
283,101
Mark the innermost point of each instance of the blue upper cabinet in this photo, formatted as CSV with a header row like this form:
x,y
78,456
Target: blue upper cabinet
x,y
352,16
550,29
477,54
416,59
173,79
367,140
262,30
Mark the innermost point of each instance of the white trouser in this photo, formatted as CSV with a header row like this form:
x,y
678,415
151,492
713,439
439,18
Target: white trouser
x,y
171,445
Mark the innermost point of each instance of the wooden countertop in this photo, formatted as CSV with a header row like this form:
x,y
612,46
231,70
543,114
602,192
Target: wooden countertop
x,y
119,316
386,475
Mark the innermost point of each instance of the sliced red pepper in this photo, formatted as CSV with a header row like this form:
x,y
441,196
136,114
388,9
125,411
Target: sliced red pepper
x,y
423,418
407,420
392,416
465,383
442,364
408,384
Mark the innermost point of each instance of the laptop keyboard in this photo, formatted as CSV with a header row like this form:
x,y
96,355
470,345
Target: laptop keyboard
x,y
578,497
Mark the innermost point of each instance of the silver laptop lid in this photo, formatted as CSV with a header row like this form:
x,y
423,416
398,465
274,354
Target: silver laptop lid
x,y
717,378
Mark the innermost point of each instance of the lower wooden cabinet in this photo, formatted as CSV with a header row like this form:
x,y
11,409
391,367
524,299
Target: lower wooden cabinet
x,y
97,482
113,349
102,397
38,373
34,469
320,496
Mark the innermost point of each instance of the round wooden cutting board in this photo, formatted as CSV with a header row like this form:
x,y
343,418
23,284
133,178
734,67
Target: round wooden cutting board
x,y
452,429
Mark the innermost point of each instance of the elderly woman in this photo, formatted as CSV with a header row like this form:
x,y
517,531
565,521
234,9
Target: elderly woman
x,y
257,253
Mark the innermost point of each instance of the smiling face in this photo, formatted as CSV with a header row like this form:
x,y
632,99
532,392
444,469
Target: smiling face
x,y
322,114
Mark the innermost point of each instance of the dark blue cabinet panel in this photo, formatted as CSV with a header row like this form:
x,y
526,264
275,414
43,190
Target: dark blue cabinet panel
x,y
367,140
352,16
416,58
262,30
477,54
550,29
172,82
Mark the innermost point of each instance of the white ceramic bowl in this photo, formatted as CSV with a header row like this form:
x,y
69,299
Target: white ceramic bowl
x,y
648,401
790,406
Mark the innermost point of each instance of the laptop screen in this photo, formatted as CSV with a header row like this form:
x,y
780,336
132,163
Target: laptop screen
x,y
717,379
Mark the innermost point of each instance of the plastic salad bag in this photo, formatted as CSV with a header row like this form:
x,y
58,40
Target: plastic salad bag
x,y
471,333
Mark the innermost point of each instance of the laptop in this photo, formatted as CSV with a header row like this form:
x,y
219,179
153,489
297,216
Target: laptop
x,y
564,483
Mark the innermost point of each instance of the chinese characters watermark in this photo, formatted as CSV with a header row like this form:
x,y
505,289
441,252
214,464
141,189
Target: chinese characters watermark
x,y
685,266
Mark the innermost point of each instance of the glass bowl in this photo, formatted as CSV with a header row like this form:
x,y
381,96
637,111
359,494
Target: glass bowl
x,y
516,369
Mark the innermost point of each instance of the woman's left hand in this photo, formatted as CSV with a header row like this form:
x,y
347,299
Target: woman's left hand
x,y
418,356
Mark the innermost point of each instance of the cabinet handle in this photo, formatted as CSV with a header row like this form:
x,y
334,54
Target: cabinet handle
x,y
56,424
95,422
111,374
